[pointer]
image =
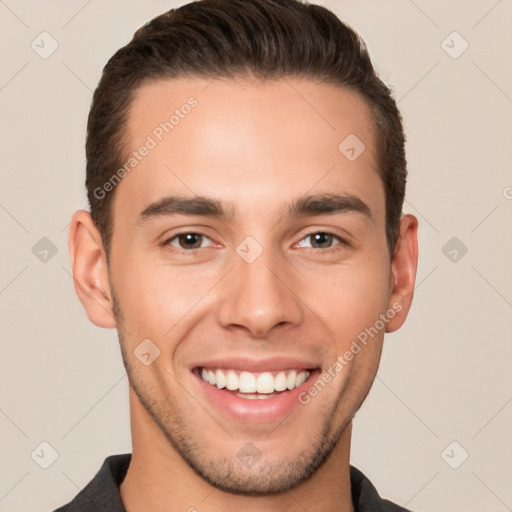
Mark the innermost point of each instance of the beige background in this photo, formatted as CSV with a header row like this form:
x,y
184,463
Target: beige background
x,y
446,376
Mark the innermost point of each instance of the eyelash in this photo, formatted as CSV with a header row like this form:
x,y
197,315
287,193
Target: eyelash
x,y
342,242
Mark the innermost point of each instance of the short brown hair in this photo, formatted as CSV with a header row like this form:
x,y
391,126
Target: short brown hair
x,y
263,39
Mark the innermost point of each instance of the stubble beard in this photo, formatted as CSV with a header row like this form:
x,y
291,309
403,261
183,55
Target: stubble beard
x,y
228,473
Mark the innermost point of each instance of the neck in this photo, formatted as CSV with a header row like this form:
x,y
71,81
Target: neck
x,y
159,480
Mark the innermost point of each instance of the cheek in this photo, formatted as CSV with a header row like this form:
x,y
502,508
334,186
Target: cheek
x,y
154,297
353,303
351,298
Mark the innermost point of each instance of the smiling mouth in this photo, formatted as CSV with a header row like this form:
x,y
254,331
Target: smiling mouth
x,y
254,385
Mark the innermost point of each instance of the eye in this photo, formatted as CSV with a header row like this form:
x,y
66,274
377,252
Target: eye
x,y
321,240
188,241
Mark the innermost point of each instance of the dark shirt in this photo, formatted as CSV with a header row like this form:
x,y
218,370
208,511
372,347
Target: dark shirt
x,y
101,494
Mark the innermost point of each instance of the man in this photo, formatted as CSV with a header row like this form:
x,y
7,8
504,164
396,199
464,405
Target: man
x,y
246,174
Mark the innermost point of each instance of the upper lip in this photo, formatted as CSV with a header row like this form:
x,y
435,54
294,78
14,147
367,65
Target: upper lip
x,y
256,365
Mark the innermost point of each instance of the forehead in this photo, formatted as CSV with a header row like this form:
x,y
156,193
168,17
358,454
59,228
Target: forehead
x,y
248,142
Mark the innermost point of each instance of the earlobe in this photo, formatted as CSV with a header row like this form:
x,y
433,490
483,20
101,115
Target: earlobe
x,y
89,268
403,271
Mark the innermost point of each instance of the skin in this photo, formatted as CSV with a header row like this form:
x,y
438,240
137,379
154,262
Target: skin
x,y
254,147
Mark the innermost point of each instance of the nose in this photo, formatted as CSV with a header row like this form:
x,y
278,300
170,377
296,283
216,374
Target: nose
x,y
259,296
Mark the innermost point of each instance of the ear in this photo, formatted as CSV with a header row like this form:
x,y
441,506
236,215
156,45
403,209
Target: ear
x,y
89,268
403,272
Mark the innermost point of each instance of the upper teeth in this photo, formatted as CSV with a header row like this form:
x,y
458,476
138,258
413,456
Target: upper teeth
x,y
248,382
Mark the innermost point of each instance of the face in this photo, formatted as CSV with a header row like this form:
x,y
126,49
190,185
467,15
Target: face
x,y
248,261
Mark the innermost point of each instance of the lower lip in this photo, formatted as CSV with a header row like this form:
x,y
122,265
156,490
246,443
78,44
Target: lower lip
x,y
255,411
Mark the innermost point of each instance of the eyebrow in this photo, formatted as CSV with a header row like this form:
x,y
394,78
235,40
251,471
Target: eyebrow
x,y
318,204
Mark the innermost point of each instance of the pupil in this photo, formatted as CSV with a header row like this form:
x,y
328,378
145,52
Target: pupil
x,y
191,240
